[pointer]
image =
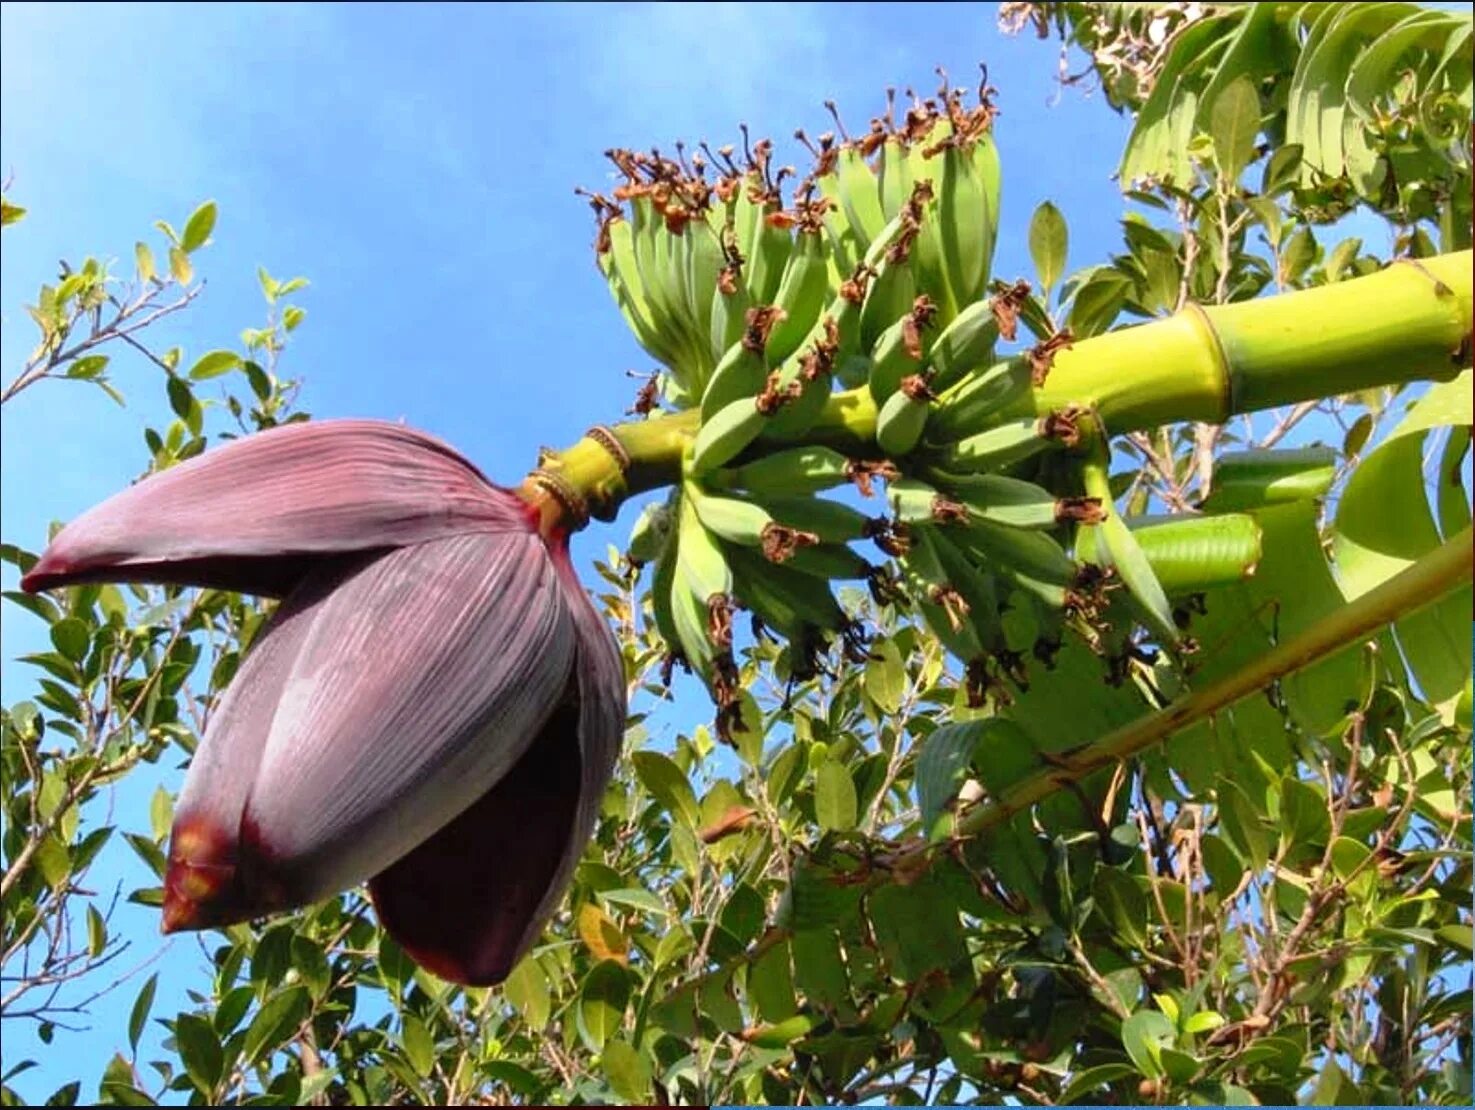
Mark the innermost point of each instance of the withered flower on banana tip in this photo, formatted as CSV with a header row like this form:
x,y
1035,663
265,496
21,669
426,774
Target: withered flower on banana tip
x,y
435,707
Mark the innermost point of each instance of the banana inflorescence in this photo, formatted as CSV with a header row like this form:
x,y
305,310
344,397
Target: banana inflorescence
x,y
873,276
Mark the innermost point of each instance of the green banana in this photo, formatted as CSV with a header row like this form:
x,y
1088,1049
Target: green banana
x,y
903,417
926,128
968,204
964,346
768,252
1018,504
746,206
801,293
899,351
889,297
750,525
650,241
616,257
915,502
726,433
794,471
1116,547
743,368
805,382
700,578
730,307
978,589
1005,445
893,290
705,260
1032,560
1190,554
943,607
860,194
831,560
649,534
894,172
797,605
968,403
831,521
661,593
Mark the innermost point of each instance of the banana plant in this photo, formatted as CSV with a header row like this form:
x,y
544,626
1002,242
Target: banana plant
x,y
434,676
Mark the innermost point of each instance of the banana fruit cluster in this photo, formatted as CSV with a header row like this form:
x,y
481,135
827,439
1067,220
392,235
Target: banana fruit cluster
x,y
874,276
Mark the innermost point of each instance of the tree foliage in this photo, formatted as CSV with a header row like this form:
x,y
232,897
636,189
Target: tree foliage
x,y
1271,906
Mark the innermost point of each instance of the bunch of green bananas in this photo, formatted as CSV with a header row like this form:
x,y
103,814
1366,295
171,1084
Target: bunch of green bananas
x,y
876,274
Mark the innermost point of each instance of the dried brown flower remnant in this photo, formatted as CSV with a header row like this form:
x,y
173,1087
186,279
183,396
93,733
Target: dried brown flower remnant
x,y
1006,303
1042,355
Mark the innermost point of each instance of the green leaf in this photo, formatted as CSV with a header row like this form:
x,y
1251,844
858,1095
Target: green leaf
x,y
53,860
1203,1021
179,266
940,770
1234,124
1243,825
418,1045
139,1014
602,1002
116,1087
66,1095
199,1051
636,899
1282,170
232,1008
1144,1035
1091,1079
161,812
197,230
261,383
212,364
88,367
38,604
820,971
276,1022
770,985
885,677
1357,435
144,257
1122,903
1304,819
628,1071
97,932
1048,243
527,989
1097,301
1180,1067
1457,936
70,636
1384,524
293,315
668,784
835,805
10,213
917,928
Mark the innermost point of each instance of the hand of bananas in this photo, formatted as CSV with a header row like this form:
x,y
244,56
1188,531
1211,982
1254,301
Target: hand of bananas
x,y
876,274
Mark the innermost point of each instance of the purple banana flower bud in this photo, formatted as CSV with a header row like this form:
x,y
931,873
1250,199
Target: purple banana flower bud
x,y
435,707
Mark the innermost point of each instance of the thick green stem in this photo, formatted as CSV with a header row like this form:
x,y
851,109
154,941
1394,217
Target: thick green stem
x,y
1408,322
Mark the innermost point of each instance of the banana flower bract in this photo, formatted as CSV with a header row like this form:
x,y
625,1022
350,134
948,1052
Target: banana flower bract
x,y
435,707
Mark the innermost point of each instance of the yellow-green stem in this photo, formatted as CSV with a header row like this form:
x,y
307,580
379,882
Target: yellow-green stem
x,y
1408,322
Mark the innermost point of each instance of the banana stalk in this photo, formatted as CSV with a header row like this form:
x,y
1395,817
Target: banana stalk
x,y
1409,322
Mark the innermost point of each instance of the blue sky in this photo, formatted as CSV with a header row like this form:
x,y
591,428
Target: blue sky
x,y
417,164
